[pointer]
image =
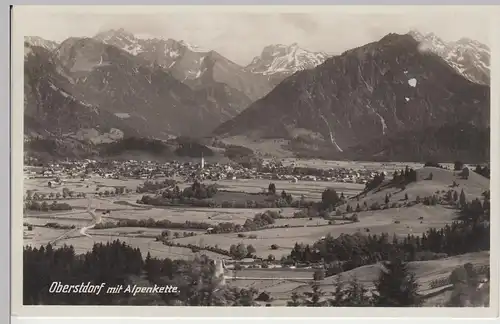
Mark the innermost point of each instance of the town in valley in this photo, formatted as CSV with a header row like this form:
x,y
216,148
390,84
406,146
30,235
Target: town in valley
x,y
337,176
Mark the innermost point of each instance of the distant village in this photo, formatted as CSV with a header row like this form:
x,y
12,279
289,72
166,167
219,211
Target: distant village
x,y
189,171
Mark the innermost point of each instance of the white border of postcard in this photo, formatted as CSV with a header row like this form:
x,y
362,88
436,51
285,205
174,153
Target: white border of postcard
x,y
145,311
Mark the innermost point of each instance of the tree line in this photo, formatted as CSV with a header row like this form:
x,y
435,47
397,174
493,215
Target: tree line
x,y
471,233
347,251
116,263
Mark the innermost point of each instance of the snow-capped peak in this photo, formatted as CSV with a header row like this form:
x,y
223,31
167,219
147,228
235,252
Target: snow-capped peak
x,y
430,42
280,58
139,43
38,41
193,48
122,39
114,33
469,57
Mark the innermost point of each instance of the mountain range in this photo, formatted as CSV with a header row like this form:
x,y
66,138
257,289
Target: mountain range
x,y
115,85
157,87
379,90
198,67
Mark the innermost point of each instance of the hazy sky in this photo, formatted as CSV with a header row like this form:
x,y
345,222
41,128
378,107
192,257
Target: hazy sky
x,y
242,36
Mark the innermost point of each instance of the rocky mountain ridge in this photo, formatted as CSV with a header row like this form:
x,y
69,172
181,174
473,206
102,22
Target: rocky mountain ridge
x,y
198,67
280,61
468,57
379,89
113,85
118,84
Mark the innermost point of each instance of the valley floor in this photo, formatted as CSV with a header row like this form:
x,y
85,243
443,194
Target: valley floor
x,y
281,282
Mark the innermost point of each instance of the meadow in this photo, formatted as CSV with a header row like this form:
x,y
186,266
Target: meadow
x,y
399,217
311,190
399,220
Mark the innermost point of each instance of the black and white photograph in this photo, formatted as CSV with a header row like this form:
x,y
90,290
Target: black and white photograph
x,y
305,158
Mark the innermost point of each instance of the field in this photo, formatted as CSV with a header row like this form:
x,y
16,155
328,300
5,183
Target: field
x,y
87,186
142,238
401,221
311,190
279,241
174,214
376,221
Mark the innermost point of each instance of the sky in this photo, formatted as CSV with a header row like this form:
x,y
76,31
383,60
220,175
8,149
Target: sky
x,y
240,35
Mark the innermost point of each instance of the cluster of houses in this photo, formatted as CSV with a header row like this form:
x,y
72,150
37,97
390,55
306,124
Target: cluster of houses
x,y
275,170
190,171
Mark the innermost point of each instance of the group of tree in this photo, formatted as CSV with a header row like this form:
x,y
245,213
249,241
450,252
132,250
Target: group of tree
x,y
475,211
154,186
347,251
241,251
118,264
484,171
168,199
405,176
112,192
46,207
286,197
330,199
66,193
152,223
199,190
259,221
396,286
433,164
112,264
401,177
271,189
377,180
171,193
467,288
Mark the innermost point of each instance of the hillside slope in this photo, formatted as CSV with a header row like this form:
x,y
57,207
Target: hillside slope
x,y
50,106
450,142
442,181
